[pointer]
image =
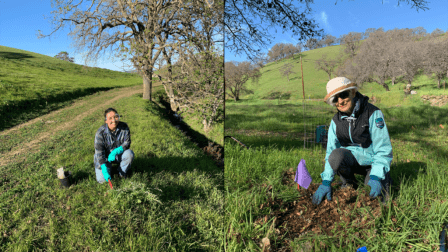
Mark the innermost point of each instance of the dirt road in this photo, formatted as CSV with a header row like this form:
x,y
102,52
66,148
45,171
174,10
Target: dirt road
x,y
16,153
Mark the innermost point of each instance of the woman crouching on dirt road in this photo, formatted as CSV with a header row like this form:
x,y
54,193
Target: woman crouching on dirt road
x,y
112,143
358,142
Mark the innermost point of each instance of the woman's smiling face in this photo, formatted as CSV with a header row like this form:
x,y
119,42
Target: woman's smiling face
x,y
346,104
112,120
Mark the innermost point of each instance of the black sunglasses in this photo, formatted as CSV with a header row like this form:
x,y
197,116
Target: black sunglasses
x,y
343,95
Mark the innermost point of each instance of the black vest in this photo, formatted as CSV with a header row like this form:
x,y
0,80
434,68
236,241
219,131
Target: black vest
x,y
359,128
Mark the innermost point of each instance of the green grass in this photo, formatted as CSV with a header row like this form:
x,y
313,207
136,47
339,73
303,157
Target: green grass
x,y
173,200
315,81
33,84
274,131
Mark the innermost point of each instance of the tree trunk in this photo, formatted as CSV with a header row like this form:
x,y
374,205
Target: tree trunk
x,y
169,91
393,81
386,86
438,83
207,125
147,87
329,76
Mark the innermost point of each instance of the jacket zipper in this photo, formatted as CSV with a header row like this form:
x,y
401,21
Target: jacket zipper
x,y
350,121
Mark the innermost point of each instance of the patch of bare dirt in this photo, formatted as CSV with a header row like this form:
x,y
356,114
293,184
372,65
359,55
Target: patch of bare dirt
x,y
215,151
32,146
435,100
288,177
300,217
348,209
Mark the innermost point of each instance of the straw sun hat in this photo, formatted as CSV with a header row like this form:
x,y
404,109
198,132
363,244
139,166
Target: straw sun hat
x,y
336,86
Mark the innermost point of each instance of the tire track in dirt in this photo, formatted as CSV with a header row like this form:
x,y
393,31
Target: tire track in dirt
x,y
7,157
56,112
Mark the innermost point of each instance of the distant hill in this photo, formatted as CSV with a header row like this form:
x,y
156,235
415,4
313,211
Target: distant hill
x,y
32,84
272,82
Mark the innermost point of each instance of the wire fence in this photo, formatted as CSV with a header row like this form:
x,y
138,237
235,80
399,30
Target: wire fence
x,y
316,121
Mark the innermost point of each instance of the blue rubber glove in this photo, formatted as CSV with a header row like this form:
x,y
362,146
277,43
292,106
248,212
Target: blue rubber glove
x,y
322,191
375,186
105,172
113,153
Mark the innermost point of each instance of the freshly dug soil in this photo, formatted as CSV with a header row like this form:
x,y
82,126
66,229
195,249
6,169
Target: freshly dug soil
x,y
347,209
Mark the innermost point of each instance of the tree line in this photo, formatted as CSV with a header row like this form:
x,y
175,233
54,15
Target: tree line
x,y
393,54
372,56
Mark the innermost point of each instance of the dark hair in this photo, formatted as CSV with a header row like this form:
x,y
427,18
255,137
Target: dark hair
x,y
109,110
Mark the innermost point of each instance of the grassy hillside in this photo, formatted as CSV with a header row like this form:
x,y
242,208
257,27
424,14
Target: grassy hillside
x,y
316,81
173,200
33,84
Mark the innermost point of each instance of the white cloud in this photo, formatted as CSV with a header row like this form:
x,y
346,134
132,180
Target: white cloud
x,y
293,40
323,18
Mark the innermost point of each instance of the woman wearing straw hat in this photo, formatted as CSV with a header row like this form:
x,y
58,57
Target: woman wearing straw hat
x,y
358,142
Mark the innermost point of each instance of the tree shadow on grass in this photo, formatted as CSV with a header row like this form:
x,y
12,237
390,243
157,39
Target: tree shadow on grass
x,y
13,55
17,112
176,166
408,172
79,176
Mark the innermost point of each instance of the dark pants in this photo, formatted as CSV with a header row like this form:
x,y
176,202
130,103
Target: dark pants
x,y
346,166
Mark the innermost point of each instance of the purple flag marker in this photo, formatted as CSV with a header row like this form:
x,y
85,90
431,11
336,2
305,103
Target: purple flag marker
x,y
302,178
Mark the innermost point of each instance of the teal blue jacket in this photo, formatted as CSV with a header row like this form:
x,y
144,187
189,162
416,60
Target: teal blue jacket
x,y
365,134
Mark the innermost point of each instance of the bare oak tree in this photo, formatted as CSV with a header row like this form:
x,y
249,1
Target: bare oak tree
x,y
436,59
326,65
276,52
237,75
411,59
311,44
377,56
328,40
261,59
286,70
199,78
351,42
355,70
281,51
367,33
131,26
64,56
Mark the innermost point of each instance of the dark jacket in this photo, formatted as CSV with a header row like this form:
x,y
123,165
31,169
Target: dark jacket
x,y
106,141
365,134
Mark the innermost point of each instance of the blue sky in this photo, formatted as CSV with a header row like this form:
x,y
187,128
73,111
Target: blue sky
x,y
19,22
358,15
